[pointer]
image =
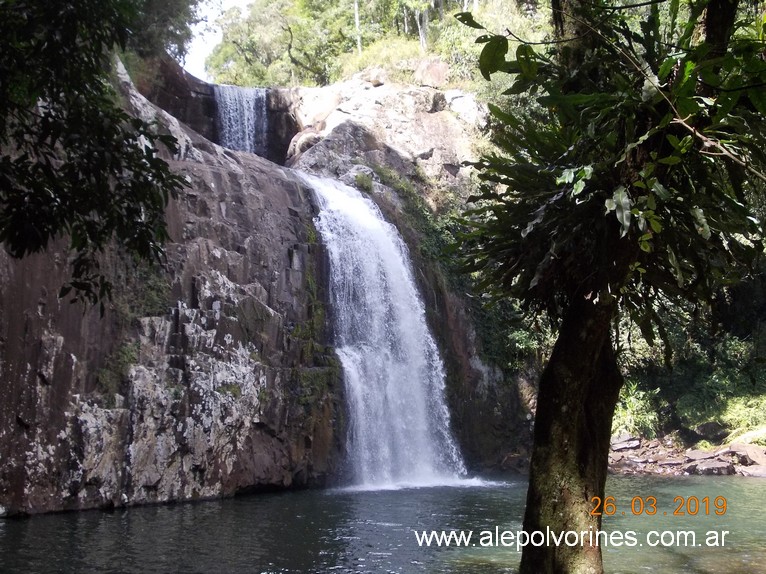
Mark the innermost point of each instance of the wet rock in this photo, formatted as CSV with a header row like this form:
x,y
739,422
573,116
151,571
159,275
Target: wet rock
x,y
628,444
710,467
757,470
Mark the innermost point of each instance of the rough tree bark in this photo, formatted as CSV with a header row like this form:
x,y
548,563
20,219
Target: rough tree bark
x,y
578,392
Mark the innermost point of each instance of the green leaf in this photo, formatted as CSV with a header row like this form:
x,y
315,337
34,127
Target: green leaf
x,y
493,56
622,209
466,18
687,107
520,86
758,99
526,57
676,267
670,160
567,176
726,102
665,68
661,191
687,71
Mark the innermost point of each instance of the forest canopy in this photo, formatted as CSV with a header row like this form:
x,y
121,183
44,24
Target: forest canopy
x,y
315,42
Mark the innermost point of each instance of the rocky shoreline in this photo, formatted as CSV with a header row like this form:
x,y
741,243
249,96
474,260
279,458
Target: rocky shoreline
x,y
633,455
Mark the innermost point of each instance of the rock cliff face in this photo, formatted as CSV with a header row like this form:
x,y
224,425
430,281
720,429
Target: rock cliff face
x,y
213,374
226,385
192,102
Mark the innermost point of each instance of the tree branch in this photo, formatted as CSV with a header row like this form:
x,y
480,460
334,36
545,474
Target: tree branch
x,y
319,75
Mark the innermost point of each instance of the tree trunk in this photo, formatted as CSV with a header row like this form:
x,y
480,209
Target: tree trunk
x,y
406,21
421,17
579,389
358,27
719,23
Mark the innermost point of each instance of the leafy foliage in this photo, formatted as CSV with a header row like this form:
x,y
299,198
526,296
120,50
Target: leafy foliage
x,y
73,163
640,182
635,413
285,42
314,41
716,377
163,25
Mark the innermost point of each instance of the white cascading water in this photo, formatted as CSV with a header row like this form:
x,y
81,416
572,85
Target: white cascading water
x,y
399,431
242,118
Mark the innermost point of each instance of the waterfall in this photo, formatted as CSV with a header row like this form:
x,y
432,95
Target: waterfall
x,y
242,118
398,418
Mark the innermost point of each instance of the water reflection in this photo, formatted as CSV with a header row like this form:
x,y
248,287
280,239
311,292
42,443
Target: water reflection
x,y
369,532
743,552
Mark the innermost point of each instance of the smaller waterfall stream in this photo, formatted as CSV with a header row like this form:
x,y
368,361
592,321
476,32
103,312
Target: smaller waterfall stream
x,y
242,118
399,422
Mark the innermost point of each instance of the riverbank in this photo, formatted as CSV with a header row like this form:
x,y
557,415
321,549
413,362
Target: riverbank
x,y
632,455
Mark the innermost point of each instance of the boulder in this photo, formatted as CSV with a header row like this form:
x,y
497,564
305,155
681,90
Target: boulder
x,y
626,444
710,467
748,454
431,72
757,470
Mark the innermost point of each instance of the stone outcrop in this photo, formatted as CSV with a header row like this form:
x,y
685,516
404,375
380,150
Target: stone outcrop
x,y
418,133
633,455
423,135
213,375
429,130
226,385
187,98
